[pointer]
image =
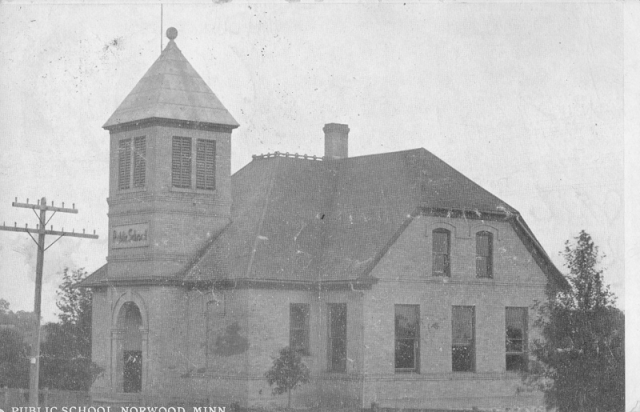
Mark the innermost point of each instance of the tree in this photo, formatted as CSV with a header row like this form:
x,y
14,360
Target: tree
x,y
287,373
23,322
580,360
66,353
4,307
14,351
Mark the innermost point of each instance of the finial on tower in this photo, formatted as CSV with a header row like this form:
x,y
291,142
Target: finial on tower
x,y
172,33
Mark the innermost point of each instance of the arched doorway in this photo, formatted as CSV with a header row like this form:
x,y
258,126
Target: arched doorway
x,y
129,355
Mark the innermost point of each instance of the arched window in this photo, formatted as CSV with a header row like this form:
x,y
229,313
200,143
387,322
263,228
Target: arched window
x,y
484,254
441,252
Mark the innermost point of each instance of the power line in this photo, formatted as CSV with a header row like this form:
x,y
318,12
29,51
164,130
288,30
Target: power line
x,y
41,231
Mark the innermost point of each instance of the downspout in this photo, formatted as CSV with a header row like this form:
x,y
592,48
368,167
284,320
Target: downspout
x,y
362,351
207,331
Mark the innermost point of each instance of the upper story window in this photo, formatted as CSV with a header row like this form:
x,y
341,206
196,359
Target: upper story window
x,y
516,339
407,338
182,164
484,254
132,153
441,252
299,328
139,161
206,164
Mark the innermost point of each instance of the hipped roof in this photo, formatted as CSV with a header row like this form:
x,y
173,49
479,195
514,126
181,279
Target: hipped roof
x,y
171,89
304,220
297,220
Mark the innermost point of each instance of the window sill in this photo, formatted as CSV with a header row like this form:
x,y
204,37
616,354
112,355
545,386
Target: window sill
x,y
515,374
449,376
191,190
133,190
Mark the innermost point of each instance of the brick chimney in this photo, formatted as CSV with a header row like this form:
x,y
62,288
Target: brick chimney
x,y
336,141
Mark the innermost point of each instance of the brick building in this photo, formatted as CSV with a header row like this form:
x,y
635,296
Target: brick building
x,y
399,280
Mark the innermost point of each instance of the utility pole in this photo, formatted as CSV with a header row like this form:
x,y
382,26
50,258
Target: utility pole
x,y
40,230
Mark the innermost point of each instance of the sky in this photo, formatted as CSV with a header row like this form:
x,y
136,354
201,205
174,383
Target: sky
x,y
526,99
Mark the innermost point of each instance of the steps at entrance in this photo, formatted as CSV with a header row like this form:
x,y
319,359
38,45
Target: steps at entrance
x,y
116,399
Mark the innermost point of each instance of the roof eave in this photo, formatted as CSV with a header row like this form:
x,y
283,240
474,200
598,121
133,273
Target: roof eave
x,y
356,284
532,244
538,253
154,121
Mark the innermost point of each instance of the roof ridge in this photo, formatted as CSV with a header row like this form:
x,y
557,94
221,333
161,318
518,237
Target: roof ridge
x,y
201,253
263,213
275,154
271,155
325,235
380,154
513,210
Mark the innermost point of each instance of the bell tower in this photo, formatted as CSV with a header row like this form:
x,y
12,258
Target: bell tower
x,y
170,167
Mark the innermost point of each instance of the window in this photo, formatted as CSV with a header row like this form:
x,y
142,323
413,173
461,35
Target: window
x,y
407,338
181,162
484,255
338,337
139,154
124,164
440,246
205,164
139,161
516,339
463,339
299,328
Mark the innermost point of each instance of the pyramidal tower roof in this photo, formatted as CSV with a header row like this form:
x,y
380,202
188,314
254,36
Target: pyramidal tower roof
x,y
172,89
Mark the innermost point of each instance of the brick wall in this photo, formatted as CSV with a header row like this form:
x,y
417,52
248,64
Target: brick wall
x,y
101,338
405,274
188,331
180,221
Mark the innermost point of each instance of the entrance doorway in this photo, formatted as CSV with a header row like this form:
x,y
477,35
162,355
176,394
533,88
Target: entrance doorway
x,y
130,356
132,379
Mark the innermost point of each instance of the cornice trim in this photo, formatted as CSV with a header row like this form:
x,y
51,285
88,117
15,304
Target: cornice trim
x,y
228,284
442,281
158,121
